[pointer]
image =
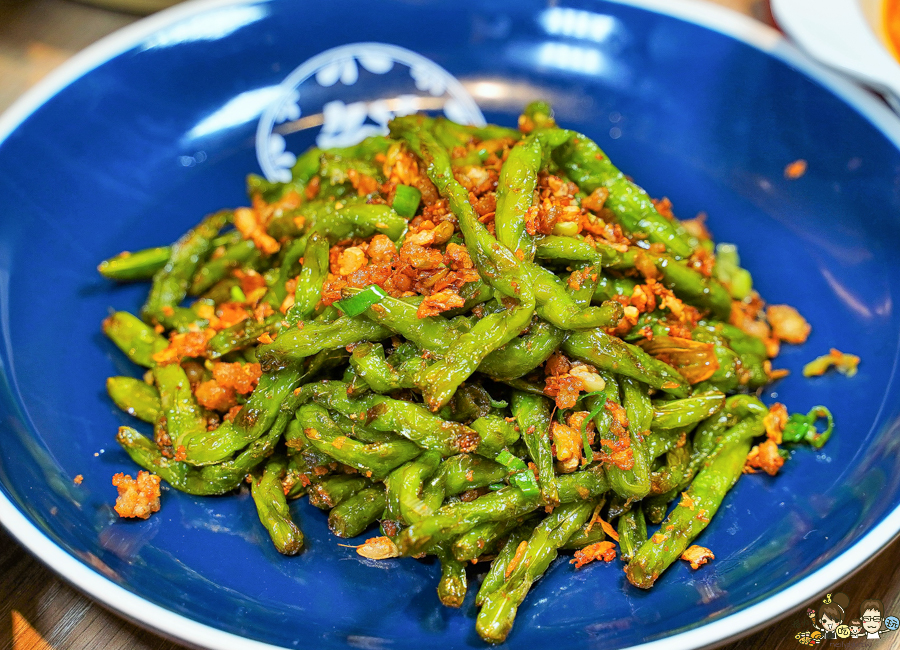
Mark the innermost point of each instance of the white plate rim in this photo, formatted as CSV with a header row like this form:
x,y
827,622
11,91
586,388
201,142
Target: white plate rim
x,y
186,630
858,52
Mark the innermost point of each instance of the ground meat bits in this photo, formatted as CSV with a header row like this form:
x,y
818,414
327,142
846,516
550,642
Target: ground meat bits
x,y
137,497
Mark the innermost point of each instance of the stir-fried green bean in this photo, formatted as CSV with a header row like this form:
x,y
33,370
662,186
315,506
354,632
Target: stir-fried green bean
x,y
488,342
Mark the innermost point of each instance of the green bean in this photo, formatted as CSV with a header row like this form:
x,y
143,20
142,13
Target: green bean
x,y
608,287
656,506
585,537
135,338
632,530
271,506
242,334
482,539
296,476
308,291
634,482
532,414
524,353
496,264
453,585
559,308
359,431
453,134
289,267
690,410
689,517
351,517
331,491
609,353
135,397
583,485
217,267
496,434
538,115
457,518
207,480
499,609
439,381
433,333
410,486
171,282
180,415
375,460
139,265
295,344
672,474
687,283
378,218
273,397
590,168
515,190
367,359
497,574
412,421
662,440
468,472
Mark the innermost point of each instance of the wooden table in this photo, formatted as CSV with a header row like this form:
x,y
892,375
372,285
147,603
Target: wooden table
x,y
39,611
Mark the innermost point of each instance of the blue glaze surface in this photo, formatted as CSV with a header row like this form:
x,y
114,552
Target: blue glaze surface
x,y
117,160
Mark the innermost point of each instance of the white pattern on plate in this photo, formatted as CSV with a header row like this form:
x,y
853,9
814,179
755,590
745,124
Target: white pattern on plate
x,y
344,124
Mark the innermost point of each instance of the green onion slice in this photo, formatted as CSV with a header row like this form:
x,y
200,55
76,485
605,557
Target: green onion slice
x,y
355,305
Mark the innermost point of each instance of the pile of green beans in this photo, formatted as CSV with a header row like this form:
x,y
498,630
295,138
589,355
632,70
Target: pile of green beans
x,y
439,429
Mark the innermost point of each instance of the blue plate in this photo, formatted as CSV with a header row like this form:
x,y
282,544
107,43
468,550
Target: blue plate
x,y
137,138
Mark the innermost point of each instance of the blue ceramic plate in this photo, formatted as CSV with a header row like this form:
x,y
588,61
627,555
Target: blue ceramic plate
x,y
134,140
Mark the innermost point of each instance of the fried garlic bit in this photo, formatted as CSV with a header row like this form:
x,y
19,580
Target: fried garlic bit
x,y
697,556
787,324
764,456
794,170
775,422
378,548
137,497
605,551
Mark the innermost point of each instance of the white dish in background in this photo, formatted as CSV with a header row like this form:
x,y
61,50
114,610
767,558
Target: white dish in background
x,y
845,35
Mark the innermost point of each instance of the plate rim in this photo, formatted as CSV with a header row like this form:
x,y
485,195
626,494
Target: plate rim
x,y
869,62
170,624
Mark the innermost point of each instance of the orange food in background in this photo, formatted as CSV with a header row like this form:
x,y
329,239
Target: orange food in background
x,y
892,26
